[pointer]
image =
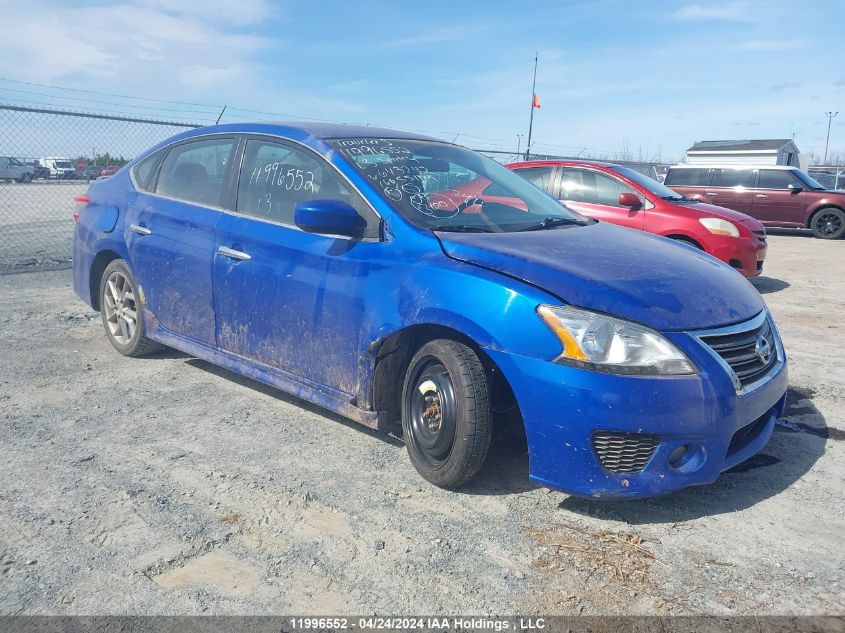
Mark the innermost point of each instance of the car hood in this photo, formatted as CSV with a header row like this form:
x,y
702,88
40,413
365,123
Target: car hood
x,y
619,271
713,211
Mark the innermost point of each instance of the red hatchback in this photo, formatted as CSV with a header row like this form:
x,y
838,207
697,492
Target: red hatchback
x,y
620,195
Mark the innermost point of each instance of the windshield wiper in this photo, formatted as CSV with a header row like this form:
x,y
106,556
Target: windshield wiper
x,y
459,228
550,222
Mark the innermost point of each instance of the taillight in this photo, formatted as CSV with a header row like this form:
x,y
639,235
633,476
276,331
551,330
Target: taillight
x,y
79,203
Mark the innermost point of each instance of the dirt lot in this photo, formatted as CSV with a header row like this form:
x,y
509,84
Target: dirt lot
x,y
165,485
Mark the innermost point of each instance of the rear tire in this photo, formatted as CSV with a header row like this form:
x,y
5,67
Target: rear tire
x,y
828,224
446,413
121,313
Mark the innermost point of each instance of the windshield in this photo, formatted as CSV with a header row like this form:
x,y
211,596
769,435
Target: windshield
x,y
808,180
63,164
446,187
658,189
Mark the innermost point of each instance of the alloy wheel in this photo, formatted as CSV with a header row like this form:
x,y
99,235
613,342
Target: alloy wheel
x,y
120,308
829,223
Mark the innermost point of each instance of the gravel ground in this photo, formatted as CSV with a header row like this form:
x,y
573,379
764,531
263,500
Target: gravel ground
x,y
167,486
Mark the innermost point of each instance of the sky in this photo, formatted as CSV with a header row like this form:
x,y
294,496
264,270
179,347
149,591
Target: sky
x,y
646,78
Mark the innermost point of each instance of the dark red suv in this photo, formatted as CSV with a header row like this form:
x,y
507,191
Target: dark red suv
x,y
620,195
776,195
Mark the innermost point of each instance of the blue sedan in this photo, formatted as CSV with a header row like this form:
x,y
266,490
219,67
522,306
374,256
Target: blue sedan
x,y
399,280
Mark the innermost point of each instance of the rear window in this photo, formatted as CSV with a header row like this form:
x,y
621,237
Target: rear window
x,y
194,171
687,177
732,178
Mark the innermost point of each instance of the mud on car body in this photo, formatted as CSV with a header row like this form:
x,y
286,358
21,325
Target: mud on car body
x,y
343,265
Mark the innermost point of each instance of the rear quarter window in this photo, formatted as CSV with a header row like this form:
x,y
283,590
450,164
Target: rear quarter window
x,y
144,169
687,177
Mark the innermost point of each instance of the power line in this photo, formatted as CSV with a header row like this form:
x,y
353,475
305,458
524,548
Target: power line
x,y
119,105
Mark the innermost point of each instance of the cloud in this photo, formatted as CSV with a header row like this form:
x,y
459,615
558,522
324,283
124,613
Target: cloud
x,y
732,11
771,45
789,85
438,36
135,45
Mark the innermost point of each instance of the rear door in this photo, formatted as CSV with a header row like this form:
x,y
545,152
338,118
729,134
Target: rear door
x,y
170,234
596,195
288,299
731,188
774,202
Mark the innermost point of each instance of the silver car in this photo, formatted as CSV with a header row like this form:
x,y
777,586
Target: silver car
x,y
13,169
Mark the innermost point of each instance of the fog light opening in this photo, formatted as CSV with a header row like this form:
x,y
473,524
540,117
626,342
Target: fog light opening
x,y
679,456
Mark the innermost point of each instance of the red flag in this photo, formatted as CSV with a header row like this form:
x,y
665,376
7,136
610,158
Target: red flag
x,y
536,101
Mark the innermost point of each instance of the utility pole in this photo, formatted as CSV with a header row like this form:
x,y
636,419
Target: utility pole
x,y
829,116
531,120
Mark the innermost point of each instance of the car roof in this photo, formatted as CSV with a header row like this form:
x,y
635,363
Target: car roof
x,y
563,161
316,129
723,166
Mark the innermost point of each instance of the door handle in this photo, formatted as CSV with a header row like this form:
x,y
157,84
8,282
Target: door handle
x,y
228,252
140,230
761,195
711,193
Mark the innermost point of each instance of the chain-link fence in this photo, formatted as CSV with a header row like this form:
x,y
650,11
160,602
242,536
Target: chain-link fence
x,y
651,169
46,158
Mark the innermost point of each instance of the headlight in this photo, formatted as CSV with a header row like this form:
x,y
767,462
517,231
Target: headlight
x,y
718,226
602,343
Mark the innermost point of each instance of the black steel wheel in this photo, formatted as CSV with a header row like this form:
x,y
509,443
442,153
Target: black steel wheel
x,y
445,413
828,224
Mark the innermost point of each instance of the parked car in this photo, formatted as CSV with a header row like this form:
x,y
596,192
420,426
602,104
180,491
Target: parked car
x,y
339,263
38,170
111,170
11,169
91,172
774,194
623,196
60,168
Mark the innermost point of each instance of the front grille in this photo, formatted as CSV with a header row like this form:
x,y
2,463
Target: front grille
x,y
760,235
624,452
749,353
759,265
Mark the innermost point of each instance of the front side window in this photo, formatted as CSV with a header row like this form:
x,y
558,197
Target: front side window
x,y
538,176
692,177
732,178
194,171
586,185
436,185
276,177
775,179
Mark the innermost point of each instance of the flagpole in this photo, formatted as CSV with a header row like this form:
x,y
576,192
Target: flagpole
x,y
533,92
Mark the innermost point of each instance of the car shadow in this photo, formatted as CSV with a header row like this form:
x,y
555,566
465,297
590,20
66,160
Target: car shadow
x,y
792,232
797,443
283,396
768,285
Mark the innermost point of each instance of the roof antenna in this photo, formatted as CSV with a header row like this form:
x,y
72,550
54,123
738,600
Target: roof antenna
x,y
220,116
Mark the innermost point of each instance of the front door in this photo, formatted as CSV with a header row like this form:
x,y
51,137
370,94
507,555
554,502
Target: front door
x,y
731,188
774,201
288,299
596,195
170,233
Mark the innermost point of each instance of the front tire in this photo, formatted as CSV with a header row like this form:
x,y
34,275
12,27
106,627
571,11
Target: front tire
x,y
120,311
446,413
828,224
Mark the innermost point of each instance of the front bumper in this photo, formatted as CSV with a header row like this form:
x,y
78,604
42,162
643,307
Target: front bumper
x,y
562,407
745,254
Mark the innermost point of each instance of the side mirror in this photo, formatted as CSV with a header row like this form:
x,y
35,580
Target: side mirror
x,y
795,188
329,217
631,200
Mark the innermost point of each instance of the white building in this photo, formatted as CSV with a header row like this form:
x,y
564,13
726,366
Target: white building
x,y
780,151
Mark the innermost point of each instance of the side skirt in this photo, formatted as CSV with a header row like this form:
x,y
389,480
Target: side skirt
x,y
327,397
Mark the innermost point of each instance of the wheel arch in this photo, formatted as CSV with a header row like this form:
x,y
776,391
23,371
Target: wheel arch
x,y
394,352
820,208
683,237
95,276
